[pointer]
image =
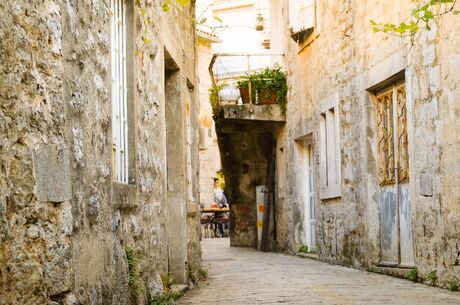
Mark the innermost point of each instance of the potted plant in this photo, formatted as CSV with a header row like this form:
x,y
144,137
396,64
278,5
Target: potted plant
x,y
271,86
243,85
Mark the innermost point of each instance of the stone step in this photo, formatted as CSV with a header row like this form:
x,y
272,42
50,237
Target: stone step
x,y
308,255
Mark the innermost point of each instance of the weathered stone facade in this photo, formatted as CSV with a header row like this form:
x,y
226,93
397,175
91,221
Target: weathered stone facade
x,y
209,150
343,57
64,223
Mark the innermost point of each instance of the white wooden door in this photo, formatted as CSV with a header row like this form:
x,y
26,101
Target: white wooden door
x,y
310,205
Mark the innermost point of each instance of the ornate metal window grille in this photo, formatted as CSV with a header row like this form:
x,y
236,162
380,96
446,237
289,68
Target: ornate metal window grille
x,y
392,116
403,142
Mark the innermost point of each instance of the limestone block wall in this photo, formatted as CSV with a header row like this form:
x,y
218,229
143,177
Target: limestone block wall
x,y
209,153
345,57
64,222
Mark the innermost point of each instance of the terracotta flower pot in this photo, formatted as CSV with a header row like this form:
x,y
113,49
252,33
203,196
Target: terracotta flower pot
x,y
267,96
245,95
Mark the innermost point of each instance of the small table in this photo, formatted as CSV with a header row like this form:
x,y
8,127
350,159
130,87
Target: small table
x,y
214,210
209,222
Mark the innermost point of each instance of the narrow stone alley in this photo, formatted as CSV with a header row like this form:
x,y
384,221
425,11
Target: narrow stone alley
x,y
133,133
245,276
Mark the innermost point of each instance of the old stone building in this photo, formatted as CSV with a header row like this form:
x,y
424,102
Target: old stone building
x,y
100,137
98,151
366,155
372,139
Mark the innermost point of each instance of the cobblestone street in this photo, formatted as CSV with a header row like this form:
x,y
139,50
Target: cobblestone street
x,y
245,276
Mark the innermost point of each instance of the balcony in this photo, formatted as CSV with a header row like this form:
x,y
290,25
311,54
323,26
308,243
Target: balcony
x,y
245,97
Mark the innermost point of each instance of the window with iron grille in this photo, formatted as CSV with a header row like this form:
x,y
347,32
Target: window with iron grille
x,y
392,138
119,90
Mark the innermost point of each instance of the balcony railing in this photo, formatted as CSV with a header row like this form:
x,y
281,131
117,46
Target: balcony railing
x,y
231,67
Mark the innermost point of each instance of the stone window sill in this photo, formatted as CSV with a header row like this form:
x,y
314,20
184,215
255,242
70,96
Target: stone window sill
x,y
124,196
330,192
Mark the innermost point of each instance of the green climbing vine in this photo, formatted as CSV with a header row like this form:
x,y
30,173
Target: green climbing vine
x,y
134,259
178,5
422,16
147,22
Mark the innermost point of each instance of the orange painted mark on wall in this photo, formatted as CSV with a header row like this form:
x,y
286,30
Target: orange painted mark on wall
x,y
261,207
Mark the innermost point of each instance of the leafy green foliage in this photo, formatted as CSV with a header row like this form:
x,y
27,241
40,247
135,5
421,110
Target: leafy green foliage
x,y
134,258
422,15
453,286
214,97
167,4
167,280
432,277
203,273
244,83
412,275
272,79
175,295
171,280
318,246
162,299
192,276
303,249
269,79
168,296
147,22
199,275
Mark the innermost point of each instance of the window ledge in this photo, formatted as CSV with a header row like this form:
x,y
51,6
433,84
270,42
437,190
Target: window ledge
x,y
302,35
330,192
124,196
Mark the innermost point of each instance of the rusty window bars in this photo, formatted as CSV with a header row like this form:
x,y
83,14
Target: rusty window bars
x,y
392,153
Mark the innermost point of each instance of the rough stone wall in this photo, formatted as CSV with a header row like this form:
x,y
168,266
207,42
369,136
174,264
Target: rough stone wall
x,y
209,158
348,228
209,154
281,227
436,150
64,223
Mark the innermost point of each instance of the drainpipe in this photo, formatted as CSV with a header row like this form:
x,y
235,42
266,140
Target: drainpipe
x,y
335,234
399,215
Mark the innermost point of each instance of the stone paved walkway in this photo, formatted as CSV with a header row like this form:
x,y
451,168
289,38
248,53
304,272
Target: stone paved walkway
x,y
245,276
